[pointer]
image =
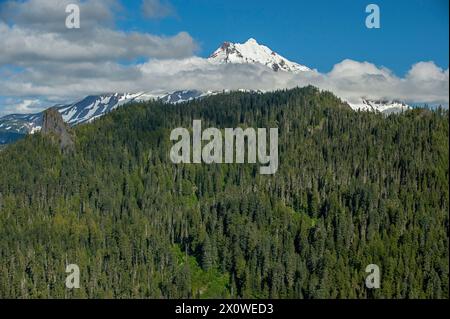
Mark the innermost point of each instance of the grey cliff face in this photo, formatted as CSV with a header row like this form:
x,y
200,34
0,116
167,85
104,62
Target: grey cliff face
x,y
53,124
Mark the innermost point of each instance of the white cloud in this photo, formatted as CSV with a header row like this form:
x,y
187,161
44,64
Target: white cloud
x,y
427,71
350,80
34,31
39,62
24,47
424,83
25,106
50,15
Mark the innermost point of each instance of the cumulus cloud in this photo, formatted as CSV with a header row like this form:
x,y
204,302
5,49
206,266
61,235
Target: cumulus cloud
x,y
25,106
41,64
23,46
424,83
50,16
34,31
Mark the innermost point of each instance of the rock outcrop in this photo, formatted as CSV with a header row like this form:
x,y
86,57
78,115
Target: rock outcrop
x,y
54,125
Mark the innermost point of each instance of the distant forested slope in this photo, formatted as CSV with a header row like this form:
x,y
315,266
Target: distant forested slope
x,y
352,189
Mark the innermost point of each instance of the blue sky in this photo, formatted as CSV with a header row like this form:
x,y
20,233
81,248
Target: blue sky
x,y
160,46
316,33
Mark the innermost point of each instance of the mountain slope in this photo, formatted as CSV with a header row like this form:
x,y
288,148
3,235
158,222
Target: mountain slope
x,y
20,123
383,106
252,52
92,107
79,112
352,189
87,110
95,106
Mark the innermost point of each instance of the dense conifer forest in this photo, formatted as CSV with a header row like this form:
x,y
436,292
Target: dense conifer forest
x,y
352,189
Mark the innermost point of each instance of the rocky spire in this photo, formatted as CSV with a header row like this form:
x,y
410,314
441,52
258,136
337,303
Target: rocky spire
x,y
53,124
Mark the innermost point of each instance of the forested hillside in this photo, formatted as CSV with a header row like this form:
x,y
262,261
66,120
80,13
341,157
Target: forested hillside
x,y
352,189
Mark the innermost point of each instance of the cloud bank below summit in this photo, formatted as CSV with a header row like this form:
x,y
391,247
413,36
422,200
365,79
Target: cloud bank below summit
x,y
42,62
424,83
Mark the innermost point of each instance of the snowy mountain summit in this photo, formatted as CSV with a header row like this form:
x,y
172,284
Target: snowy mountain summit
x,y
383,106
252,52
15,126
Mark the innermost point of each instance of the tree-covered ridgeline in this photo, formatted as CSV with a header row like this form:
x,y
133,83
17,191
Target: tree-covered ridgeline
x,y
352,189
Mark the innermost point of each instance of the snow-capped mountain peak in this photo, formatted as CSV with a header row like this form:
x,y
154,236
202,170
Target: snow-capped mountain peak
x,y
252,52
88,109
383,106
82,111
93,106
